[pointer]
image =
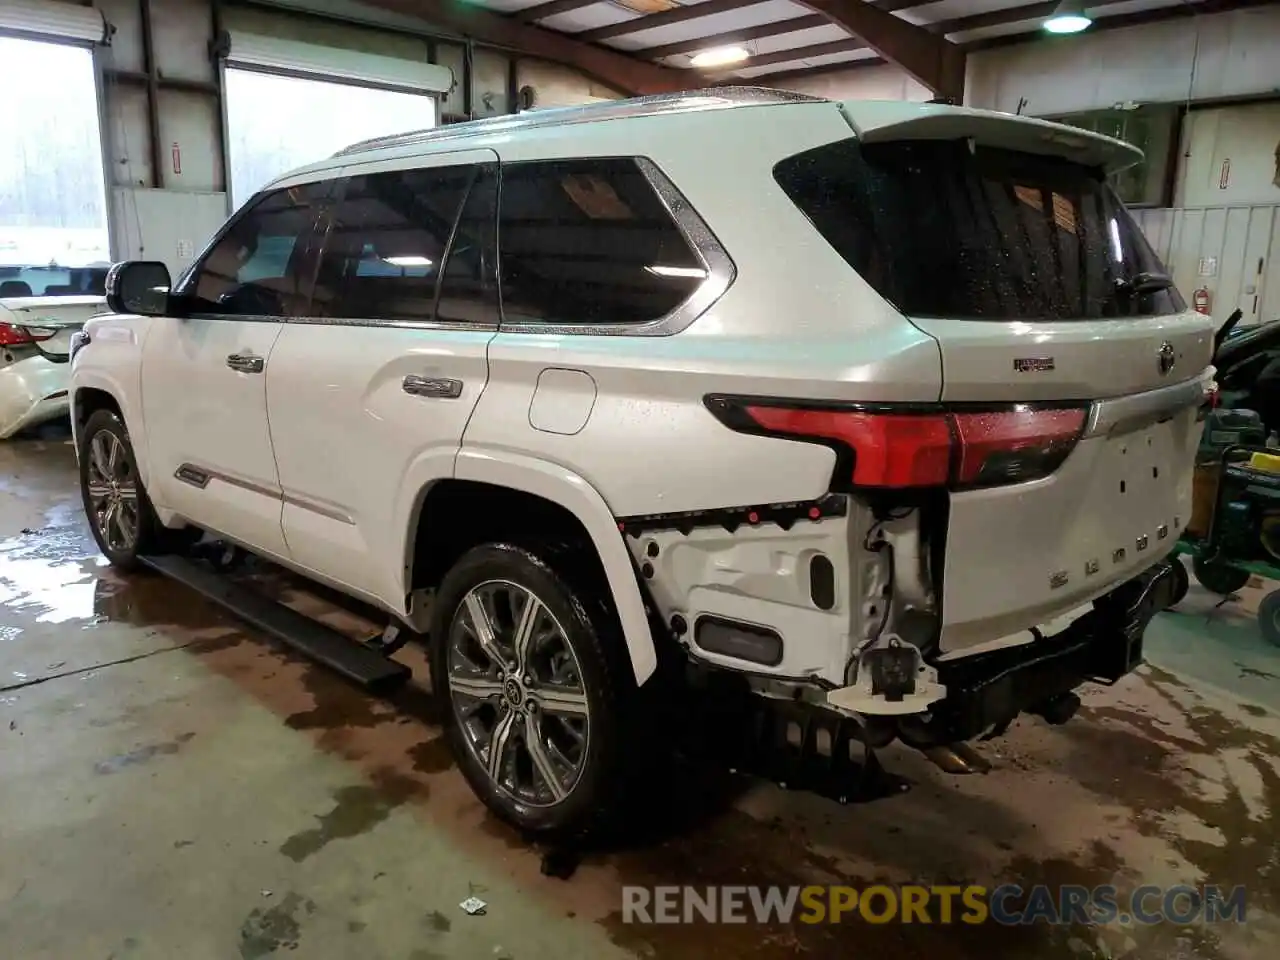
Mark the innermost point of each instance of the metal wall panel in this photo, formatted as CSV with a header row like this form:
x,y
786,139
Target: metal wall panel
x,y
1234,252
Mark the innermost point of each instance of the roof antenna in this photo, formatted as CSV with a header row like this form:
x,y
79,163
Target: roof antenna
x,y
1022,105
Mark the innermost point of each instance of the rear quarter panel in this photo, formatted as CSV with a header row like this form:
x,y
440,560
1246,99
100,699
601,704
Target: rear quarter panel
x,y
796,322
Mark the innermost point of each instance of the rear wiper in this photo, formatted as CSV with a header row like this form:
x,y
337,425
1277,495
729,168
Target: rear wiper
x,y
1144,282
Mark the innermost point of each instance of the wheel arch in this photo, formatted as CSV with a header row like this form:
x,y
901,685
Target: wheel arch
x,y
563,490
91,391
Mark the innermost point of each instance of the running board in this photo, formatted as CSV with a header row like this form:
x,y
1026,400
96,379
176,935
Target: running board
x,y
338,652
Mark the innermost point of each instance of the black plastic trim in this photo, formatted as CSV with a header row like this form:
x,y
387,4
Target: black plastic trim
x,y
784,515
762,633
988,690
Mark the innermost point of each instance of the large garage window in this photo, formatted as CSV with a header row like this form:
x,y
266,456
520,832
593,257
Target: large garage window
x,y
278,123
53,209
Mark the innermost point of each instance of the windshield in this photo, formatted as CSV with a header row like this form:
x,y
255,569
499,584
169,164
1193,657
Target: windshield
x,y
950,229
47,280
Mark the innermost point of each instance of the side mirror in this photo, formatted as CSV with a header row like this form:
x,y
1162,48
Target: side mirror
x,y
139,286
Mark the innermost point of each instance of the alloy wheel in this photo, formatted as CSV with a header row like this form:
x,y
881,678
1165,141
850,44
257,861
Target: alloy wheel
x,y
516,689
113,491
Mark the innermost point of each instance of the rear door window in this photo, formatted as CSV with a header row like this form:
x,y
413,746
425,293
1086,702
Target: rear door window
x,y
385,242
947,229
589,242
469,285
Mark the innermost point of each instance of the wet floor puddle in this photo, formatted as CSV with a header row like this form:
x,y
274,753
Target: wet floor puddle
x,y
1149,785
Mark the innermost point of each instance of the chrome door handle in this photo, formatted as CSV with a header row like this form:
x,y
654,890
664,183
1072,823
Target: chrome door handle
x,y
440,387
245,363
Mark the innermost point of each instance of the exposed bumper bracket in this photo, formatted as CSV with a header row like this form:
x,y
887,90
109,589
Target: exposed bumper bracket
x,y
990,689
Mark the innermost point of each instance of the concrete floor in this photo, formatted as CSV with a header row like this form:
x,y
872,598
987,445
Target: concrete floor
x,y
171,785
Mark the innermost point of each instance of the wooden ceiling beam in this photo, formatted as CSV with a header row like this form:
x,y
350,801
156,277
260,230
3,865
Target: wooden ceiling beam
x,y
611,67
694,11
541,11
848,45
805,73
746,35
1175,11
931,59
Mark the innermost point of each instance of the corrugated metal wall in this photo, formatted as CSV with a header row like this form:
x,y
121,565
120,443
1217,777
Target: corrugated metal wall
x,y
1234,252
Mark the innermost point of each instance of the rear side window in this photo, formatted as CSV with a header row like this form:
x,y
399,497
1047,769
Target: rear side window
x,y
589,242
941,229
386,240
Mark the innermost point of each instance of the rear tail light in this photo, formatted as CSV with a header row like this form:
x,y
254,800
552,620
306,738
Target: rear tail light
x,y
12,335
895,449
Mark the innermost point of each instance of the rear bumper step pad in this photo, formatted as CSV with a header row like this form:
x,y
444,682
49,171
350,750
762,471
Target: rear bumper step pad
x,y
347,656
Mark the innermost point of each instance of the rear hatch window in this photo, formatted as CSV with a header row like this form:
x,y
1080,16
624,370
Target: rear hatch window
x,y
947,228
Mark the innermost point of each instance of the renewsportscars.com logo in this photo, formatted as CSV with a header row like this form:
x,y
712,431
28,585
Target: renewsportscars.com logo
x,y
1007,904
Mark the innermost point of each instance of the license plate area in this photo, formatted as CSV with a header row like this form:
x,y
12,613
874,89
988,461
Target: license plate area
x,y
1022,555
1143,499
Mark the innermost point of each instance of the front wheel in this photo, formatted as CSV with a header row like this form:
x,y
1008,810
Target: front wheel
x,y
120,514
537,691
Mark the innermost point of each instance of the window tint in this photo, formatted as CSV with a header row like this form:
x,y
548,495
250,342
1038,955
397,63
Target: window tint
x,y
385,242
589,242
468,288
260,265
942,230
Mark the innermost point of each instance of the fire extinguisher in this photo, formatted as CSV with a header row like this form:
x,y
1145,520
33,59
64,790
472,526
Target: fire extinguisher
x,y
1200,301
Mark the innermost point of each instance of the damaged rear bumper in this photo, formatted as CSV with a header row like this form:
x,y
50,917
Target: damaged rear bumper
x,y
32,391
986,691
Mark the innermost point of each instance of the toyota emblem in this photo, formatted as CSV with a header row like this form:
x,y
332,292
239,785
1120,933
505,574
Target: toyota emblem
x,y
1166,358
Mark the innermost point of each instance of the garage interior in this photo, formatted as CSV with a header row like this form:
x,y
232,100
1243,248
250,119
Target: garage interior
x,y
172,783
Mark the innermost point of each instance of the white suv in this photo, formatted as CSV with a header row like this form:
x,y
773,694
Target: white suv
x,y
857,401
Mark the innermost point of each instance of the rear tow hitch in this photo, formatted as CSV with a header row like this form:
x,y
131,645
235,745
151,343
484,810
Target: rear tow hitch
x,y
1057,710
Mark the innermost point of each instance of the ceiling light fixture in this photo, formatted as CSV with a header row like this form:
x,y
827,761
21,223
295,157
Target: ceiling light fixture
x,y
720,57
408,261
1068,18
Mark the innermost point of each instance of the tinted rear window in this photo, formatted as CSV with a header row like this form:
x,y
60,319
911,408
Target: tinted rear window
x,y
589,242
941,229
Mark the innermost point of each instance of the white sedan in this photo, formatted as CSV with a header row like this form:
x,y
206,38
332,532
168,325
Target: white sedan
x,y
35,345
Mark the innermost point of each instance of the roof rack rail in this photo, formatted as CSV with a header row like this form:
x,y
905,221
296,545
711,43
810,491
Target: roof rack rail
x,y
713,98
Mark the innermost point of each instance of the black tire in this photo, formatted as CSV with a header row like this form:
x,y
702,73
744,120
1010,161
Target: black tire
x,y
1181,581
1218,577
1269,618
589,627
105,428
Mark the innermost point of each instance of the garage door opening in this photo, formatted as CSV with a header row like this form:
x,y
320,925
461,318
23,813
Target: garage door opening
x,y
53,207
277,122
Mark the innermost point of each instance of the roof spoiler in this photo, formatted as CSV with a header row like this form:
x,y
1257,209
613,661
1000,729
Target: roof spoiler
x,y
878,122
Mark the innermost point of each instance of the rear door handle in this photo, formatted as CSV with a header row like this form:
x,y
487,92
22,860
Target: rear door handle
x,y
245,363
440,387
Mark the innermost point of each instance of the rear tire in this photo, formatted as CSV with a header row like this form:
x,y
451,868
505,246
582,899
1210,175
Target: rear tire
x,y
1181,581
121,518
1220,578
537,690
1269,618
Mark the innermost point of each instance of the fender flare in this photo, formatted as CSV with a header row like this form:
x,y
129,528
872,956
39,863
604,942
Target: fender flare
x,y
96,379
566,488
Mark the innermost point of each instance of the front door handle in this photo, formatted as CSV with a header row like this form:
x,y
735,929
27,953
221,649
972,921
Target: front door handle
x,y
440,387
245,363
